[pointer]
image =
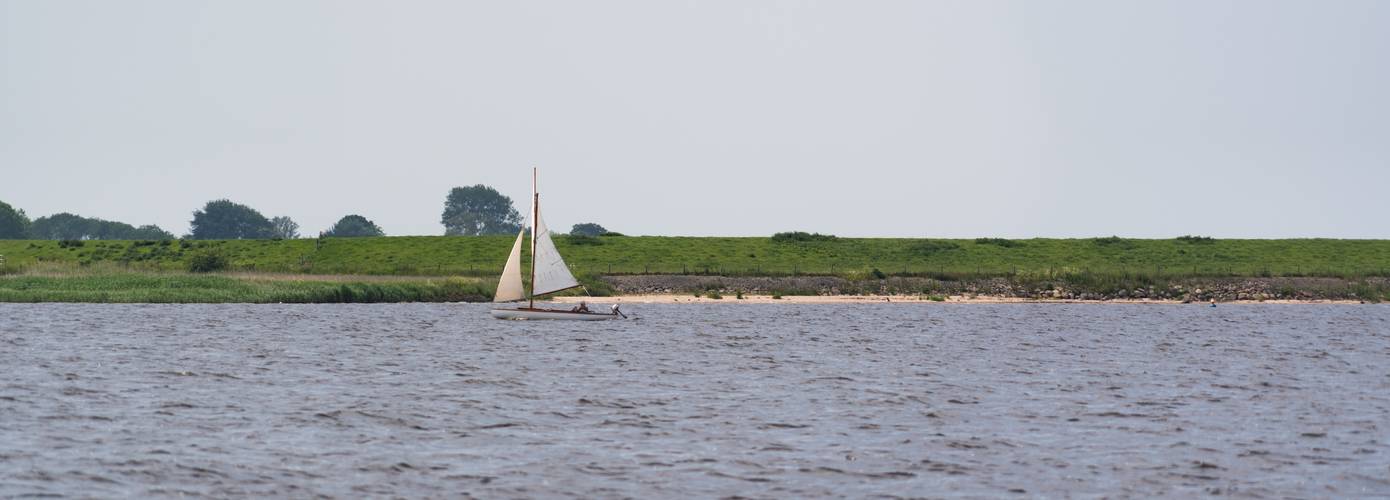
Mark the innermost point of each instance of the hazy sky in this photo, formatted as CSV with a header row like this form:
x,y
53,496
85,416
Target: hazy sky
x,y
1250,118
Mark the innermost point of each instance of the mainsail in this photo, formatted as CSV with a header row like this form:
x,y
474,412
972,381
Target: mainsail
x,y
509,288
551,273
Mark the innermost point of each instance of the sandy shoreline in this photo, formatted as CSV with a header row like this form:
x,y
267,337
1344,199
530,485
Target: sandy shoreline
x,y
905,299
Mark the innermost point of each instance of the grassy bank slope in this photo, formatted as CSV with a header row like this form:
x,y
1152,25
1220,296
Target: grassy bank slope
x,y
851,257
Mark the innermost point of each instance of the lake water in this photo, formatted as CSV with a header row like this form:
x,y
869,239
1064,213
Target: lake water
x,y
702,400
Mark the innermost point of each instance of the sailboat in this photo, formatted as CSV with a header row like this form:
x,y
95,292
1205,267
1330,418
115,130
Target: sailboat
x,y
549,274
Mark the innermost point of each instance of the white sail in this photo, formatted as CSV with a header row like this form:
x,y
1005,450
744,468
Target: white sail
x,y
551,273
548,275
509,288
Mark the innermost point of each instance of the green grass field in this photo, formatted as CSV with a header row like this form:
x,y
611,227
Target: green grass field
x,y
849,257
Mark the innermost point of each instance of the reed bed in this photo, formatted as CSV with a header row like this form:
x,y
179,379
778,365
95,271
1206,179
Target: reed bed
x,y
190,288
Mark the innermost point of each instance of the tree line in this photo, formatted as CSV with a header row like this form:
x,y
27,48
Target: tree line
x,y
468,211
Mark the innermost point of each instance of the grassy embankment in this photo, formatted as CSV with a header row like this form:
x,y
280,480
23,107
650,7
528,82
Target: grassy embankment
x,y
118,270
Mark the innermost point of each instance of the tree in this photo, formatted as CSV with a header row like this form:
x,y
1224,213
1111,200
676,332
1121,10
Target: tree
x,y
479,210
588,229
284,228
61,226
66,226
354,226
224,220
150,232
14,225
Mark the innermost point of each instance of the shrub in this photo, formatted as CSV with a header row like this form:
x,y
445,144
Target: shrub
x,y
71,243
714,295
587,229
207,261
878,274
936,298
1196,240
776,296
1113,242
801,237
1006,243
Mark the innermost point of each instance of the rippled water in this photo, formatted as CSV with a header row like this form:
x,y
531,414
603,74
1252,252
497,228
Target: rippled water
x,y
706,400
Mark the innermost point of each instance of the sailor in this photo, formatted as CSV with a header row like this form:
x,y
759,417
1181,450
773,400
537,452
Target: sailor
x,y
583,307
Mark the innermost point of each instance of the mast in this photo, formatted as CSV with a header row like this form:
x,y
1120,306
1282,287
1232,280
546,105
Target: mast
x,y
535,216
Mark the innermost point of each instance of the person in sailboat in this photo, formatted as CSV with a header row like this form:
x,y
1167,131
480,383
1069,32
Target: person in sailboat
x,y
583,307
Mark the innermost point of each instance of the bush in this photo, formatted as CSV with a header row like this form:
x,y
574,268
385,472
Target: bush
x,y
1006,243
714,295
71,244
878,274
587,229
1196,240
1112,241
801,237
207,261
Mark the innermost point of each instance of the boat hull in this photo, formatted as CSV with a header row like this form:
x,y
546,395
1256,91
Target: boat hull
x,y
529,314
